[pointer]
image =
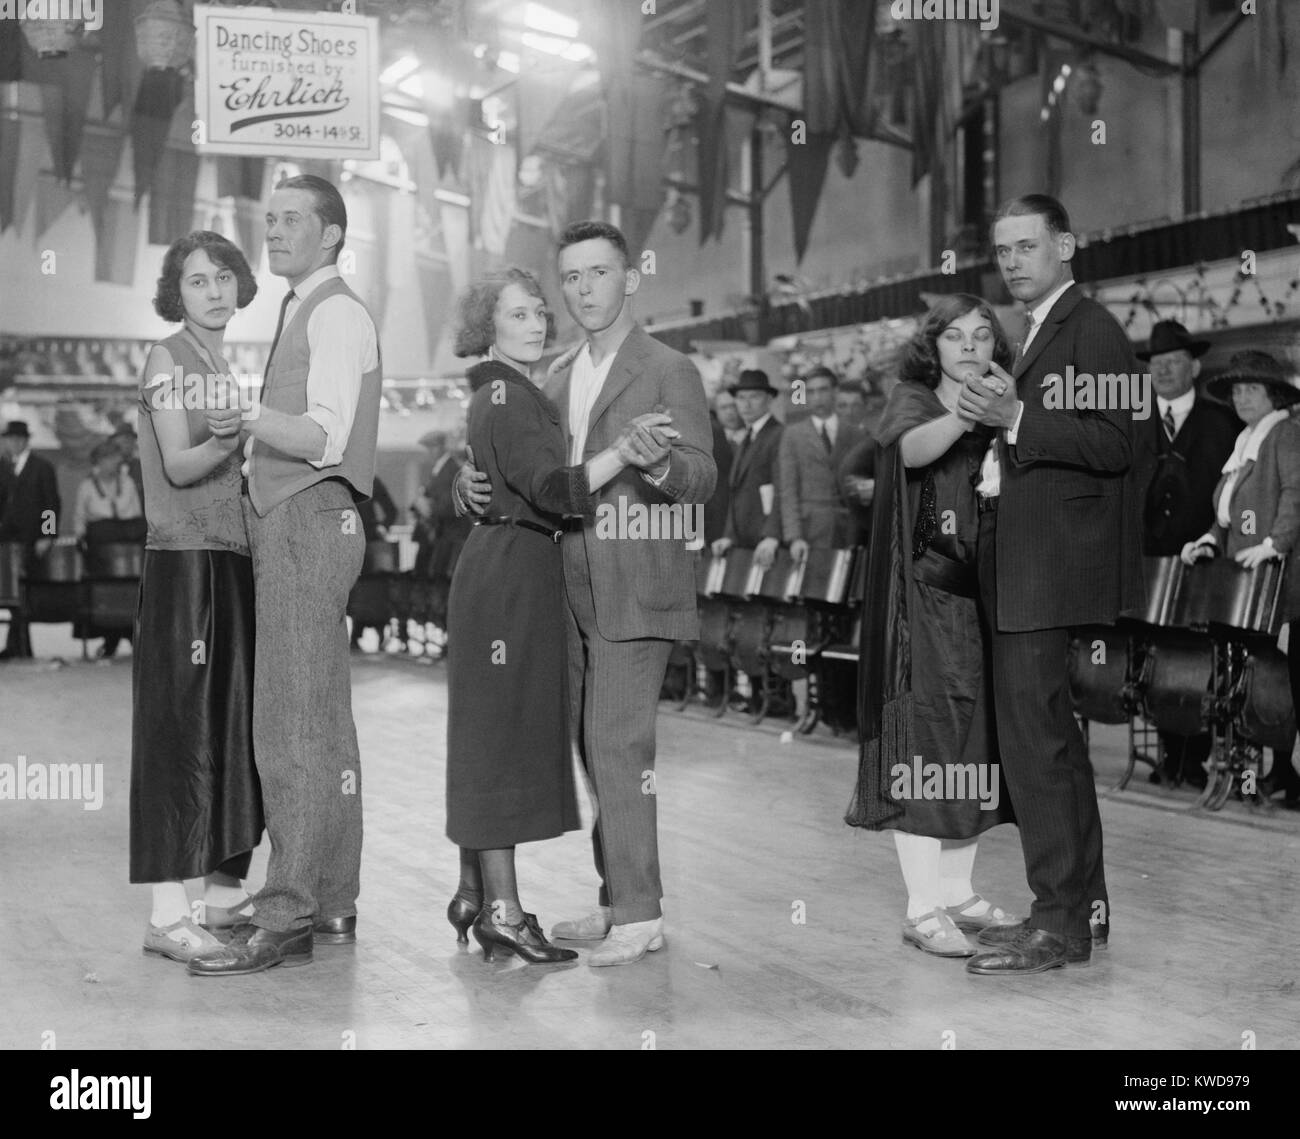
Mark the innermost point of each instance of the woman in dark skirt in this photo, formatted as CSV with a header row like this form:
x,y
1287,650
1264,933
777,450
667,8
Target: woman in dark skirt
x,y
928,767
509,760
196,806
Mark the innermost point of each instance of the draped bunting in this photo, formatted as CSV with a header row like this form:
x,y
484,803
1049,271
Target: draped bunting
x,y
240,177
725,29
159,94
65,97
101,158
491,194
447,130
11,133
171,203
806,164
120,67
244,179
437,295
52,198
11,51
836,102
570,194
21,158
454,221
539,94
635,143
116,249
927,126
382,202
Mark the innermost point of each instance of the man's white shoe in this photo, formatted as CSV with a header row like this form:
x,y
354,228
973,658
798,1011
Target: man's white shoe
x,y
628,943
593,927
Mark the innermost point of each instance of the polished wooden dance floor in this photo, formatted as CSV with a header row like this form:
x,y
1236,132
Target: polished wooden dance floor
x,y
1204,941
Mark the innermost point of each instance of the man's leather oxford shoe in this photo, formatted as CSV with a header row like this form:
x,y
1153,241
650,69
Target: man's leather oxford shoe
x,y
251,950
1034,951
335,931
1005,934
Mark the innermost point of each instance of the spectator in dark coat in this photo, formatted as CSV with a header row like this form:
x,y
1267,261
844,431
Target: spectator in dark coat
x,y
29,513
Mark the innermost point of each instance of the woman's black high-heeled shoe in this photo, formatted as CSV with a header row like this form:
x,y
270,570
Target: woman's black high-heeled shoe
x,y
461,914
524,939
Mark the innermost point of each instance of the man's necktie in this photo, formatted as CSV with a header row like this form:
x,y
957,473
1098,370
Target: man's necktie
x,y
740,455
279,326
1024,345
826,438
1168,420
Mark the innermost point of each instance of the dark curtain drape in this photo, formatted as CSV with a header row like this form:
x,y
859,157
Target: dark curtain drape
x,y
837,54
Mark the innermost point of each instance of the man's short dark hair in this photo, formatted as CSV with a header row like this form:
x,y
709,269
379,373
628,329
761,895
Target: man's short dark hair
x,y
1052,212
822,370
593,231
329,202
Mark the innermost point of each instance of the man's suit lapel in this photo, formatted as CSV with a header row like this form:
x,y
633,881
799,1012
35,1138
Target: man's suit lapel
x,y
1052,323
625,368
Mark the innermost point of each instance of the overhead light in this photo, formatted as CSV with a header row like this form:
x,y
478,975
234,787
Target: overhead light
x,y
508,61
546,19
399,69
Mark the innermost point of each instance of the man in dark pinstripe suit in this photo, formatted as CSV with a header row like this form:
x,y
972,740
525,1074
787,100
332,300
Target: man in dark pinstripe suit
x,y
1059,545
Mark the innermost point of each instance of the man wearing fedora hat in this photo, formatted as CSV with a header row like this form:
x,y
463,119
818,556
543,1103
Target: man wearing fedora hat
x,y
753,520
754,513
29,511
1256,504
1179,452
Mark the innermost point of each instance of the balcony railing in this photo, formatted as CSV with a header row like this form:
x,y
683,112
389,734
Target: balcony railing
x,y
1258,224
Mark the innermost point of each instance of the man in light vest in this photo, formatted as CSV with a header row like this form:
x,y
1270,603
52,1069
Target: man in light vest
x,y
310,461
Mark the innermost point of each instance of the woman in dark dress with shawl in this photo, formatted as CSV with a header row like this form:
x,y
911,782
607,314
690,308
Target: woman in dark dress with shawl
x,y
509,759
196,802
928,767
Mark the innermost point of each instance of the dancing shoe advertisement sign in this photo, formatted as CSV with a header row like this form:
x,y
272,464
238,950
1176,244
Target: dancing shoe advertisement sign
x,y
286,84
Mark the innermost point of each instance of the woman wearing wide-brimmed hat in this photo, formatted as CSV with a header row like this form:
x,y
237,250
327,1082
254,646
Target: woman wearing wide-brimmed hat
x,y
1257,501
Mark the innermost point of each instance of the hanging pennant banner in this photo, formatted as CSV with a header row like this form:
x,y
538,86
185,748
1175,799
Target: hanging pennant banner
x,y
287,84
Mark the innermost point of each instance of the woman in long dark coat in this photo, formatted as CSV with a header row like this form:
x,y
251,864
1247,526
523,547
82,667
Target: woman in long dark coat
x,y
928,766
509,759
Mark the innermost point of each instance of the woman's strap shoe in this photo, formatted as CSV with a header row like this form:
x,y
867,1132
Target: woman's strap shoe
x,y
190,940
937,933
991,918
524,940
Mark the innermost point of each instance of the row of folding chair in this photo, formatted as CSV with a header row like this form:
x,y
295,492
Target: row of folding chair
x,y
792,621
